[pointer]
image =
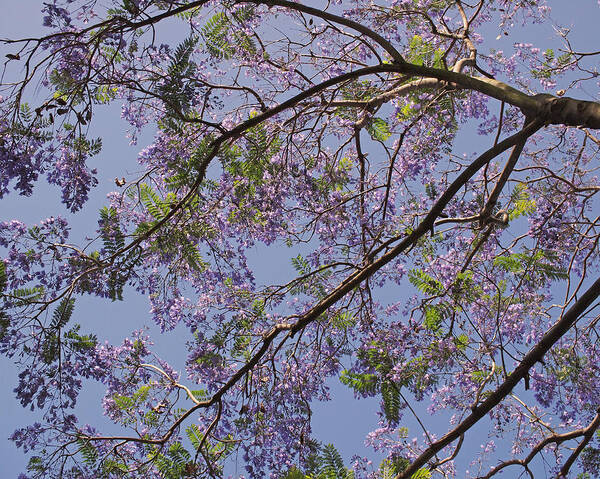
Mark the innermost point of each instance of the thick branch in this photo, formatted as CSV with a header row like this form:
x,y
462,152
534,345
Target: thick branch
x,y
548,108
563,111
536,354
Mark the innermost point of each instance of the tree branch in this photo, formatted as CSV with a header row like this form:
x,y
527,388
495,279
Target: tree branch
x,y
536,354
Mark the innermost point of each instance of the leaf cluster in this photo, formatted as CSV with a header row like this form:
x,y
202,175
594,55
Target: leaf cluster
x,y
122,267
325,463
55,338
223,40
536,267
312,283
179,243
178,88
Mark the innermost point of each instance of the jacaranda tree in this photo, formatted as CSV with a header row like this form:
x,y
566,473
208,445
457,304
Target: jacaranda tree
x,y
458,288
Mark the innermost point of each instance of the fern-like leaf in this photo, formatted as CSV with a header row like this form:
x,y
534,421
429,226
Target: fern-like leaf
x,y
25,296
214,34
422,473
294,473
153,202
364,384
301,265
194,435
113,238
4,324
179,85
3,276
391,401
379,129
62,314
331,465
88,451
425,283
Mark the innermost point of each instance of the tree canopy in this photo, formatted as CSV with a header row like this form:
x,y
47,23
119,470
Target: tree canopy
x,y
435,197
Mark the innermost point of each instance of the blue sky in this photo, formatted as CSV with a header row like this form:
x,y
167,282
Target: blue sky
x,y
344,421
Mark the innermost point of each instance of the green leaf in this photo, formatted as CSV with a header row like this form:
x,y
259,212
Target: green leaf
x,y
112,236
419,51
536,267
79,342
111,467
123,402
431,191
88,451
194,435
36,465
25,296
331,465
294,473
524,205
390,394
245,42
301,265
62,314
379,129
214,33
422,473
433,318
366,384
461,342
155,205
50,346
3,277
179,85
4,324
390,468
222,40
425,283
